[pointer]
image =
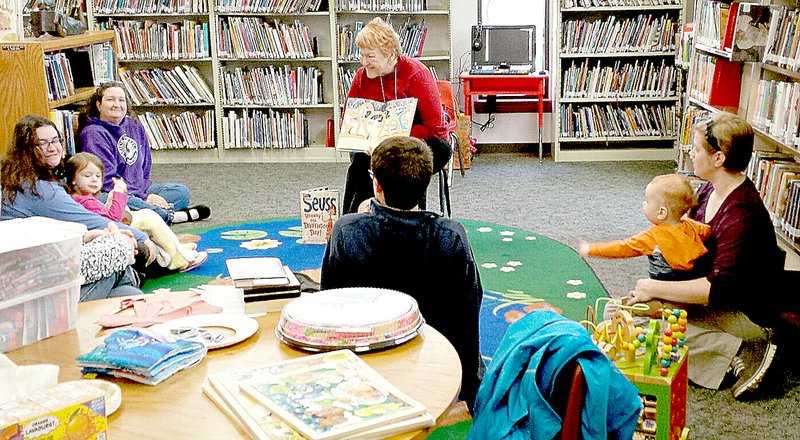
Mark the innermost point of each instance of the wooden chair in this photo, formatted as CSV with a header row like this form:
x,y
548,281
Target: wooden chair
x,y
567,400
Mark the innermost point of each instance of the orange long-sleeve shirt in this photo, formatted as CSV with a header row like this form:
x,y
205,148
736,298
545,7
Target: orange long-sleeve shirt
x,y
680,246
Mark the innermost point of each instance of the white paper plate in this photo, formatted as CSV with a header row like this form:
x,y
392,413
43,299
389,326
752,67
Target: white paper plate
x,y
112,392
233,328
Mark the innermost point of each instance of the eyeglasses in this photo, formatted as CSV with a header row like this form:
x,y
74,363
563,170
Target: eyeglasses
x,y
371,174
56,142
710,138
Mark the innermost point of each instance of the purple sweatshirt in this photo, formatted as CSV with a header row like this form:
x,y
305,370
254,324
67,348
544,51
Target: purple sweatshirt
x,y
124,151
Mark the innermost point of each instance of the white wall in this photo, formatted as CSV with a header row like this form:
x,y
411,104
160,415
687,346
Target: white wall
x,y
508,127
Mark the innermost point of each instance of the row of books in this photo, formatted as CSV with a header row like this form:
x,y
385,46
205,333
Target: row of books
x,y
712,23
777,177
776,110
645,33
346,77
412,38
333,395
254,37
185,130
150,7
567,4
622,80
702,76
179,85
691,116
149,40
63,6
261,129
102,58
269,6
58,71
784,33
599,121
382,5
272,85
67,124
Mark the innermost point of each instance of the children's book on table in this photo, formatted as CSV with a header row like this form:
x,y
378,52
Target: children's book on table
x,y
325,396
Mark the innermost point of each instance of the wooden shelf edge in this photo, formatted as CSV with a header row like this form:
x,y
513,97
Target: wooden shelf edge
x,y
81,94
626,99
777,142
85,39
780,70
780,234
618,54
714,51
625,8
616,139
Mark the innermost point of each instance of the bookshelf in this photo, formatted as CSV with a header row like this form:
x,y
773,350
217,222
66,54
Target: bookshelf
x,y
57,87
616,80
773,111
277,71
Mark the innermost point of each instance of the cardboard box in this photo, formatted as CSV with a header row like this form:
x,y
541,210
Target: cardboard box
x,y
71,410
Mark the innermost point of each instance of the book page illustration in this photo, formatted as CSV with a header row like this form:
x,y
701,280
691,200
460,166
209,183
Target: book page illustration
x,y
365,123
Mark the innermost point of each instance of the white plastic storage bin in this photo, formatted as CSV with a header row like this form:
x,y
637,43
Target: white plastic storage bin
x,y
30,318
38,253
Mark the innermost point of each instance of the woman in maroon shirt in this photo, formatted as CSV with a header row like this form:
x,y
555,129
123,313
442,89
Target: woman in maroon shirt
x,y
743,258
386,75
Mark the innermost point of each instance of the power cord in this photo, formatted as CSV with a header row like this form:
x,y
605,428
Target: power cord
x,y
488,124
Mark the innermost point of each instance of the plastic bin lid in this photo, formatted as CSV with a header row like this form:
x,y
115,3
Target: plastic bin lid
x,y
29,232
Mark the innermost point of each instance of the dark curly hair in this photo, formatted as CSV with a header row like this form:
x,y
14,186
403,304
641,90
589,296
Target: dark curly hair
x,y
22,166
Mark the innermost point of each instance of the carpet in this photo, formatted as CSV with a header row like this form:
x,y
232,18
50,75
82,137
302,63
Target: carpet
x,y
520,271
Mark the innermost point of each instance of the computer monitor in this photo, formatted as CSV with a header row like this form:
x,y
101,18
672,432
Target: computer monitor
x,y
510,45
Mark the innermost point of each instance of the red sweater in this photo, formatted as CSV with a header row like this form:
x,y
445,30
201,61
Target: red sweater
x,y
414,80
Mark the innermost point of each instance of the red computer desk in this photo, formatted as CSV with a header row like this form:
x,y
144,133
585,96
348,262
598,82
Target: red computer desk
x,y
493,85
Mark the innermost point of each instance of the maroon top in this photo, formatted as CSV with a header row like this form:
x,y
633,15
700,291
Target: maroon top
x,y
743,256
414,80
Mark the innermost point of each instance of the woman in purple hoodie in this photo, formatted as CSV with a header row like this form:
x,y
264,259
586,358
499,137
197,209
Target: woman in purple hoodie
x,y
120,142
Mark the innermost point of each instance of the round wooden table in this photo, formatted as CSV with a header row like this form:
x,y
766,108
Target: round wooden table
x,y
426,368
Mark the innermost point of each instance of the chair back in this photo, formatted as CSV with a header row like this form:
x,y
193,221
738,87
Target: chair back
x,y
567,400
448,101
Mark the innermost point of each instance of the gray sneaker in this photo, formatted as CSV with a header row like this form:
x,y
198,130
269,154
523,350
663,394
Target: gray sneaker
x,y
757,357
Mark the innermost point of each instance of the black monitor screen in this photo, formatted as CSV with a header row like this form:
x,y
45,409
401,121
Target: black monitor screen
x,y
513,45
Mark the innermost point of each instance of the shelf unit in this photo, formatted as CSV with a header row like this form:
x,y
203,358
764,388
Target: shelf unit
x,y
319,114
603,85
28,94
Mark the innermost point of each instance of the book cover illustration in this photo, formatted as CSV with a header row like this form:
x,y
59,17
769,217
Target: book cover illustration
x,y
365,123
751,32
319,210
331,395
9,20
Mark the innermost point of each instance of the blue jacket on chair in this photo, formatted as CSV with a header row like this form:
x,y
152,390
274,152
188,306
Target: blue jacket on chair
x,y
513,398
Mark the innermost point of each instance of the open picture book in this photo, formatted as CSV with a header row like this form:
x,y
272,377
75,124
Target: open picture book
x,y
365,123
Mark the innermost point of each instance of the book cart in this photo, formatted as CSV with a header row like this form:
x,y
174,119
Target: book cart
x,y
654,359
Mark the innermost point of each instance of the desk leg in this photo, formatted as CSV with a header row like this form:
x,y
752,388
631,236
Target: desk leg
x,y
541,121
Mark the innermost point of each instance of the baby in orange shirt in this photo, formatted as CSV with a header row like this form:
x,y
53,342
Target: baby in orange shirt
x,y
673,243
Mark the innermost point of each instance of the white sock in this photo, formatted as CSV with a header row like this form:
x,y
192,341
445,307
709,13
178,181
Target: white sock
x,y
180,217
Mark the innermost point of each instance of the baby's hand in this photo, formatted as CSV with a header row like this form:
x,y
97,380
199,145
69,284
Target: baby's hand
x,y
583,249
119,185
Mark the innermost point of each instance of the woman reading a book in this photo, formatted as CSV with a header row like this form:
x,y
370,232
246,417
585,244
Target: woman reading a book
x,y
31,187
120,141
724,330
386,75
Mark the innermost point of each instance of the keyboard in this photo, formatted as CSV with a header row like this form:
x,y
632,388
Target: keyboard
x,y
499,72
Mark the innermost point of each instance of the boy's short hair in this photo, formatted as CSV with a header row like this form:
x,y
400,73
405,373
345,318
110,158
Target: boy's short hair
x,y
77,163
676,192
403,166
